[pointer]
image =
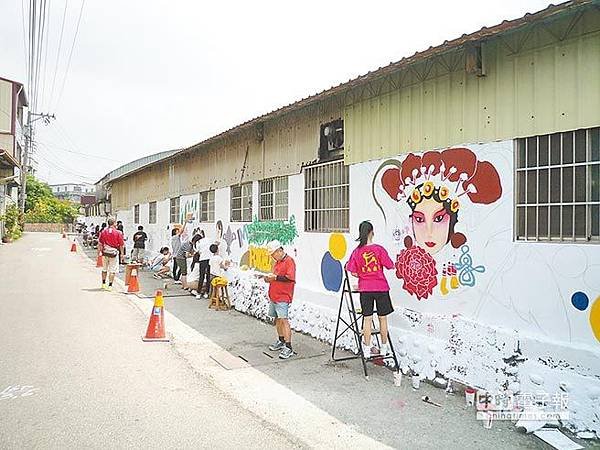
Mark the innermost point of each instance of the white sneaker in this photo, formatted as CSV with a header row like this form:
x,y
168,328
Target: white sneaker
x,y
366,350
205,296
384,349
198,296
177,282
194,292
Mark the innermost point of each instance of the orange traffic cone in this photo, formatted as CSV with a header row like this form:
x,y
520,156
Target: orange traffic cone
x,y
134,285
156,325
99,260
73,247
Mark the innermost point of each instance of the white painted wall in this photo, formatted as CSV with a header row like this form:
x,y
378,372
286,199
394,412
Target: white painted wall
x,y
514,328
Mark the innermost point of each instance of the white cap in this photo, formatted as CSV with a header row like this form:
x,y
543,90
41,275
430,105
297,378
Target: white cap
x,y
273,246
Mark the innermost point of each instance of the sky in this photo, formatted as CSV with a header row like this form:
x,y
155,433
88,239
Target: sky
x,y
147,76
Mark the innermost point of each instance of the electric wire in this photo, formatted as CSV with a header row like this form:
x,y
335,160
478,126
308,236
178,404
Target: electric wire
x,y
56,64
58,161
64,149
45,64
24,35
70,56
66,171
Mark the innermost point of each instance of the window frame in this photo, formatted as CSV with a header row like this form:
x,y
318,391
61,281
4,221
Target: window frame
x,y
151,217
209,214
245,198
270,190
318,217
136,214
548,170
174,209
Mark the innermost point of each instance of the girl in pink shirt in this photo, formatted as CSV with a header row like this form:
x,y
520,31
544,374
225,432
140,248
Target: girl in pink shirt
x,y
367,263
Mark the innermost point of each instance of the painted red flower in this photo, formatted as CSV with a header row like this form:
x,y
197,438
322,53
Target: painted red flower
x,y
417,268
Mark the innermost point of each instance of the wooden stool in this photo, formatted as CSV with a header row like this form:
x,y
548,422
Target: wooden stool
x,y
219,299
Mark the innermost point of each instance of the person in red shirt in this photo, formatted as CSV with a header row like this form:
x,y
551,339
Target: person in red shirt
x,y
110,245
281,292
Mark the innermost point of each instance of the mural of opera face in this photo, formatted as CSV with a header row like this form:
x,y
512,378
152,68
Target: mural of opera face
x,y
433,216
436,185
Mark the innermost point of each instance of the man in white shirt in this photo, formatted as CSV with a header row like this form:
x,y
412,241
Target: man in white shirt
x,y
203,249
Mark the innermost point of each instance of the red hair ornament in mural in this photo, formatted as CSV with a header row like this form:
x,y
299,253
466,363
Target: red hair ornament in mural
x,y
436,186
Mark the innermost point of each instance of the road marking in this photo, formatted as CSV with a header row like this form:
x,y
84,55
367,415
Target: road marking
x,y
16,391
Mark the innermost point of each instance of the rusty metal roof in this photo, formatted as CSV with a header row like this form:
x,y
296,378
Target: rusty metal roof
x,y
482,34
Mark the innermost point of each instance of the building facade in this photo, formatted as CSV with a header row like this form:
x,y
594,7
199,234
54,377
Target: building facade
x,y
73,191
12,141
477,162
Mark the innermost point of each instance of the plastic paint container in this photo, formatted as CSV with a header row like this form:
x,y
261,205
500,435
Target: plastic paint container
x,y
487,420
470,396
398,379
416,382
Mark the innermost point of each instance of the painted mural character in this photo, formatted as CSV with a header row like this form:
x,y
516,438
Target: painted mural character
x,y
435,186
219,226
367,263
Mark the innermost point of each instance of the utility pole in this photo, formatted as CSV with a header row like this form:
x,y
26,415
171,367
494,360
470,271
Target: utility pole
x,y
25,163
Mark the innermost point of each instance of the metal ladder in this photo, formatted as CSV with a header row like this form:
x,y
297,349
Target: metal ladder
x,y
355,328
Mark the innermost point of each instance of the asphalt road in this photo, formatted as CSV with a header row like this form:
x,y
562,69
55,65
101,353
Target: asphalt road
x,y
74,372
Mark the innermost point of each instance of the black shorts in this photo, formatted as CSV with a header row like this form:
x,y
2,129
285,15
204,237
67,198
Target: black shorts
x,y
381,299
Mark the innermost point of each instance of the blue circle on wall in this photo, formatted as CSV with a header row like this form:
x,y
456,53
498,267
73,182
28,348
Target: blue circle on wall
x,y
580,301
331,273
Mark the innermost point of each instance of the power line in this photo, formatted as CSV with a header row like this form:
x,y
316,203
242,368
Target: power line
x,y
45,66
24,36
64,170
62,29
40,48
70,55
87,155
62,164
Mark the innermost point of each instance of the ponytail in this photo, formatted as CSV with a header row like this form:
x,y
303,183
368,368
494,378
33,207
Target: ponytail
x,y
364,229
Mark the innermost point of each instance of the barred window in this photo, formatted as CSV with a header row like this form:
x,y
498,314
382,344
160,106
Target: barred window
x,y
136,214
207,206
557,191
174,216
273,196
241,202
152,212
326,197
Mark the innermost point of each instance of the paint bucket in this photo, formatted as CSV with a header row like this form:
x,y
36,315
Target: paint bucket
x,y
470,396
487,420
416,382
398,378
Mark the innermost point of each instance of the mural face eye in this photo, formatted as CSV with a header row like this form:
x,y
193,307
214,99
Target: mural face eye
x,y
418,217
439,217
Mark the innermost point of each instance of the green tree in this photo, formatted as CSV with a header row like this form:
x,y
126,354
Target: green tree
x,y
36,190
12,221
42,207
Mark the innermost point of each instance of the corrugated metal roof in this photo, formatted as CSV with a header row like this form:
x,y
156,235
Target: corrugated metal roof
x,y
484,33
136,165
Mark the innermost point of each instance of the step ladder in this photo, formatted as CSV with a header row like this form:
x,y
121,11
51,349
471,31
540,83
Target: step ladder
x,y
353,326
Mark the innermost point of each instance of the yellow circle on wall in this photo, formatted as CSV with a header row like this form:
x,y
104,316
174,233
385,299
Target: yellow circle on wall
x,y
595,318
337,246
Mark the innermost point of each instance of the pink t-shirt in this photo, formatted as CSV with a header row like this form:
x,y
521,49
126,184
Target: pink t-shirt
x,y
368,262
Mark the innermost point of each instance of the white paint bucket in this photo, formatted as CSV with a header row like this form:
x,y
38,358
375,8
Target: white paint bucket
x,y
416,382
398,378
487,420
470,396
